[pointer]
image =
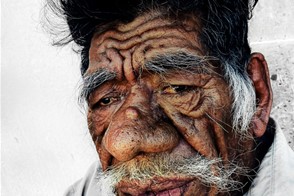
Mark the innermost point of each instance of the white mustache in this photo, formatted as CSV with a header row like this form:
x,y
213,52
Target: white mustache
x,y
209,172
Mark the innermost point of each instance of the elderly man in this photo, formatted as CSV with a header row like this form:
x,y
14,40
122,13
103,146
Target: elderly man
x,y
177,104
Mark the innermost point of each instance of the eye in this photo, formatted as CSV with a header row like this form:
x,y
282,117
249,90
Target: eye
x,y
106,101
173,89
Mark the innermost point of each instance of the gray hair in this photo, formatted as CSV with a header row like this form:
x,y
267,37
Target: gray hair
x,y
244,99
209,172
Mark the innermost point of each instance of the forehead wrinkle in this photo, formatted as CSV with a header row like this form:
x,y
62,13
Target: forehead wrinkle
x,y
95,80
140,38
150,17
138,27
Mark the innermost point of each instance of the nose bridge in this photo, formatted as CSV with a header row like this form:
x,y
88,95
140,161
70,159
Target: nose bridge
x,y
133,129
136,105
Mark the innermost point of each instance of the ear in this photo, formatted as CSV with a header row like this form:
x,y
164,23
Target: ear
x,y
259,74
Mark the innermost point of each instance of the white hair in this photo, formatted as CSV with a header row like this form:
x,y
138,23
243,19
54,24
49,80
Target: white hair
x,y
244,99
209,172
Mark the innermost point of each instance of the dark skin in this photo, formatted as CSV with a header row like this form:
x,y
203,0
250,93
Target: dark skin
x,y
133,117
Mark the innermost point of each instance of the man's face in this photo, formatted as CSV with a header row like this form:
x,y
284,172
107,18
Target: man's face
x,y
160,100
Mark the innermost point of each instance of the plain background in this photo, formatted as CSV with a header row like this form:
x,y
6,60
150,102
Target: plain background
x,y
45,142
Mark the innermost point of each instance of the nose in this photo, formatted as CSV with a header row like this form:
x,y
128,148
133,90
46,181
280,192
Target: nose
x,y
135,130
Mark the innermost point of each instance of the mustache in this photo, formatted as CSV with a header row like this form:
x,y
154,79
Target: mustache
x,y
209,172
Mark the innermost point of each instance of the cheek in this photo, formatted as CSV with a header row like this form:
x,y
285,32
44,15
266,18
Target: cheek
x,y
201,118
98,123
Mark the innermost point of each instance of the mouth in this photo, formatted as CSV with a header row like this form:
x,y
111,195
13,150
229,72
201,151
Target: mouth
x,y
156,187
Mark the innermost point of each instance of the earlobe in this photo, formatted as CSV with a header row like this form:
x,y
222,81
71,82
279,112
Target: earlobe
x,y
259,74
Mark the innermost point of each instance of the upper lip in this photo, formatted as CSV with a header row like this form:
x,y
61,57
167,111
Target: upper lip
x,y
156,184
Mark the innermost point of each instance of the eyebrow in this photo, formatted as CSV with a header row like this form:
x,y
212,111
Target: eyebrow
x,y
93,81
180,61
161,64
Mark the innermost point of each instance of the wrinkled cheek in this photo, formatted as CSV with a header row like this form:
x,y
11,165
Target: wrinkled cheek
x,y
97,126
193,130
221,126
197,188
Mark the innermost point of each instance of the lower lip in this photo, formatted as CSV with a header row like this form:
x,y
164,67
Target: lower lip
x,y
174,192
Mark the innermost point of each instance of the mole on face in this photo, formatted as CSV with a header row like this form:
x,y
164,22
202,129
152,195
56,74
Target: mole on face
x,y
141,113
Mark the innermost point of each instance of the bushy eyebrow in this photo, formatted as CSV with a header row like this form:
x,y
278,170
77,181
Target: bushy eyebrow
x,y
161,64
94,80
181,61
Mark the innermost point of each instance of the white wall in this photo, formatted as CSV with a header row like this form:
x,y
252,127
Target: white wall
x,y
272,33
45,143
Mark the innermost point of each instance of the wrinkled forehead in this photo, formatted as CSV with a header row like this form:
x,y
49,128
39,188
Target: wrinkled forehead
x,y
126,48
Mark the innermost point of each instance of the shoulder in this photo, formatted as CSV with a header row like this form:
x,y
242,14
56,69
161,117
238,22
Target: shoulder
x,y
275,176
84,186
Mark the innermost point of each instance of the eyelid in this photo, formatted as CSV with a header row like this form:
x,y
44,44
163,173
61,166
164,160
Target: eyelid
x,y
115,98
171,89
106,90
96,99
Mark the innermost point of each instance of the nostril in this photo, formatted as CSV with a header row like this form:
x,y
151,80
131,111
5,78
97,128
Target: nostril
x,y
132,113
